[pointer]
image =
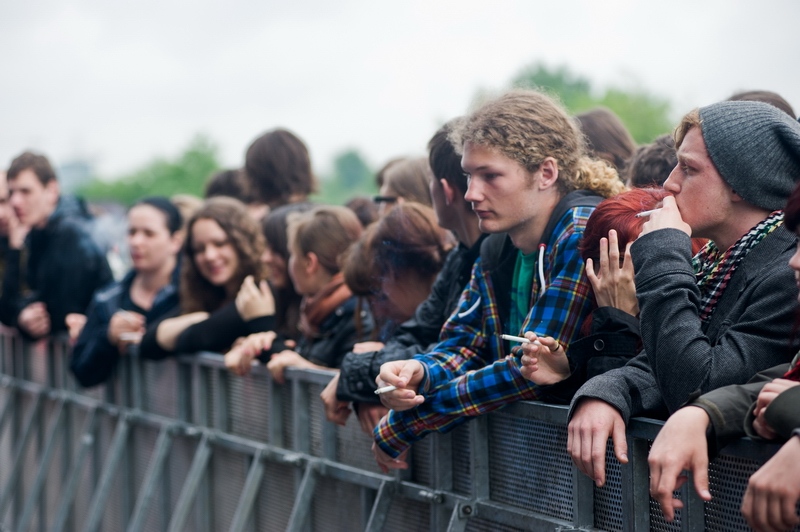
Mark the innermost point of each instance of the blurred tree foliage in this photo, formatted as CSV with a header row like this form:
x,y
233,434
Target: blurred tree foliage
x,y
351,177
644,114
185,174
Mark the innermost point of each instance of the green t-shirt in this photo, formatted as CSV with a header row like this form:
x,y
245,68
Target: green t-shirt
x,y
522,284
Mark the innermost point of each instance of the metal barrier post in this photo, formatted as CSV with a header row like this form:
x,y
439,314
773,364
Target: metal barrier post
x,y
44,465
154,471
71,485
693,511
302,502
380,509
636,486
115,455
196,473
12,486
251,487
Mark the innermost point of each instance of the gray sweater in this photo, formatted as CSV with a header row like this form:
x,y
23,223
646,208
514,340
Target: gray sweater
x,y
683,357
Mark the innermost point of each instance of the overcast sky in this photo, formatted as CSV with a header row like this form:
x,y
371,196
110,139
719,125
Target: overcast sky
x,y
119,83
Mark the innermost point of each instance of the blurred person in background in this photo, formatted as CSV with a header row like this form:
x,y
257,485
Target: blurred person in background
x,y
64,265
404,179
607,137
120,313
223,291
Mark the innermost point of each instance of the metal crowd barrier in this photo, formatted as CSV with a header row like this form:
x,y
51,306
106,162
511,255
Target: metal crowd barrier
x,y
184,445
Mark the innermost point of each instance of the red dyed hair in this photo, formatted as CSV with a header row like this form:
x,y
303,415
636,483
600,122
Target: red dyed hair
x,y
619,213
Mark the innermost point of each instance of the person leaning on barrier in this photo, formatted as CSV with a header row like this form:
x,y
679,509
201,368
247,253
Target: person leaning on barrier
x,y
717,318
119,313
609,337
766,408
64,265
406,251
527,173
356,380
328,313
222,293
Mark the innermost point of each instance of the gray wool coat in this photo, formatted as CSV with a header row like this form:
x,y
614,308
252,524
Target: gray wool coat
x,y
683,358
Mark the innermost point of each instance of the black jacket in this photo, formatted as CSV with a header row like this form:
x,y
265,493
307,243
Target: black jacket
x,y
338,334
64,267
93,357
358,370
216,333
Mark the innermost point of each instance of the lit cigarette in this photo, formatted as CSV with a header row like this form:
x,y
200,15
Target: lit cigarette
x,y
385,389
646,213
519,339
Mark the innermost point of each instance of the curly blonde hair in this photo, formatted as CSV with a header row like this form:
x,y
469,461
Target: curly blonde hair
x,y
527,127
197,294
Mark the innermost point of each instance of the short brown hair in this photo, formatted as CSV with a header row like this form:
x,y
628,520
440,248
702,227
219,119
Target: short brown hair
x,y
279,167
327,231
32,161
689,120
444,161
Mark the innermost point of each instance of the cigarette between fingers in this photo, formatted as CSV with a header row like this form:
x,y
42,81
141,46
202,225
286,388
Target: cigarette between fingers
x,y
519,339
385,389
645,213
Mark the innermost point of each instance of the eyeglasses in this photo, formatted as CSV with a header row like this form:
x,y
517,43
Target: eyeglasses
x,y
384,199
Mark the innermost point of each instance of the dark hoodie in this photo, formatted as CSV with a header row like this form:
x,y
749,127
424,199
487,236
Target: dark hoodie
x,y
64,267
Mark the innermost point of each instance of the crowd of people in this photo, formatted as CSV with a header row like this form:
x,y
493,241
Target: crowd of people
x,y
532,255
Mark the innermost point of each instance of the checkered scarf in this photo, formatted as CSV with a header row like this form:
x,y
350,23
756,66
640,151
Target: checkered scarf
x,y
714,268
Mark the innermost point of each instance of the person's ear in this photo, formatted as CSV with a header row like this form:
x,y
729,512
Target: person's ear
x,y
449,192
53,191
312,264
549,173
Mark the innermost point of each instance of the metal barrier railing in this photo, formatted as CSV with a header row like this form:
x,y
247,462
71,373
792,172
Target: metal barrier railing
x,y
184,445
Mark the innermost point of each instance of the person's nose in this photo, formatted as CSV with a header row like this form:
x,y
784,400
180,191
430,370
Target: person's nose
x,y
474,191
672,184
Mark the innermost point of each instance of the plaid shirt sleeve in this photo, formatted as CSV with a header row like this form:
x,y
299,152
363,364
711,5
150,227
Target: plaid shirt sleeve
x,y
466,338
558,312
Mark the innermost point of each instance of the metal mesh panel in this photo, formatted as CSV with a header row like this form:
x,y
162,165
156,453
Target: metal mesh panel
x,y
49,496
482,525
249,406
408,516
37,362
228,471
335,506
7,438
462,476
288,418
421,467
354,447
143,443
90,471
30,454
608,499
273,507
316,417
180,460
544,485
212,395
160,387
113,517
727,477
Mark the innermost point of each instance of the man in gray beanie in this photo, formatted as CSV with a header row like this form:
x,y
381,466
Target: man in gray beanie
x,y
724,315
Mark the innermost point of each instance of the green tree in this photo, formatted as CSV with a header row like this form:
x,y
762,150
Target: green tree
x,y
645,115
185,174
351,177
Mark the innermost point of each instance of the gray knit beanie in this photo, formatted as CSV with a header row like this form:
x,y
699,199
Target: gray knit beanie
x,y
756,149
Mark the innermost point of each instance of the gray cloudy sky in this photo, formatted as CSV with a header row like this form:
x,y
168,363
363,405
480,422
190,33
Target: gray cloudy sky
x,y
121,82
